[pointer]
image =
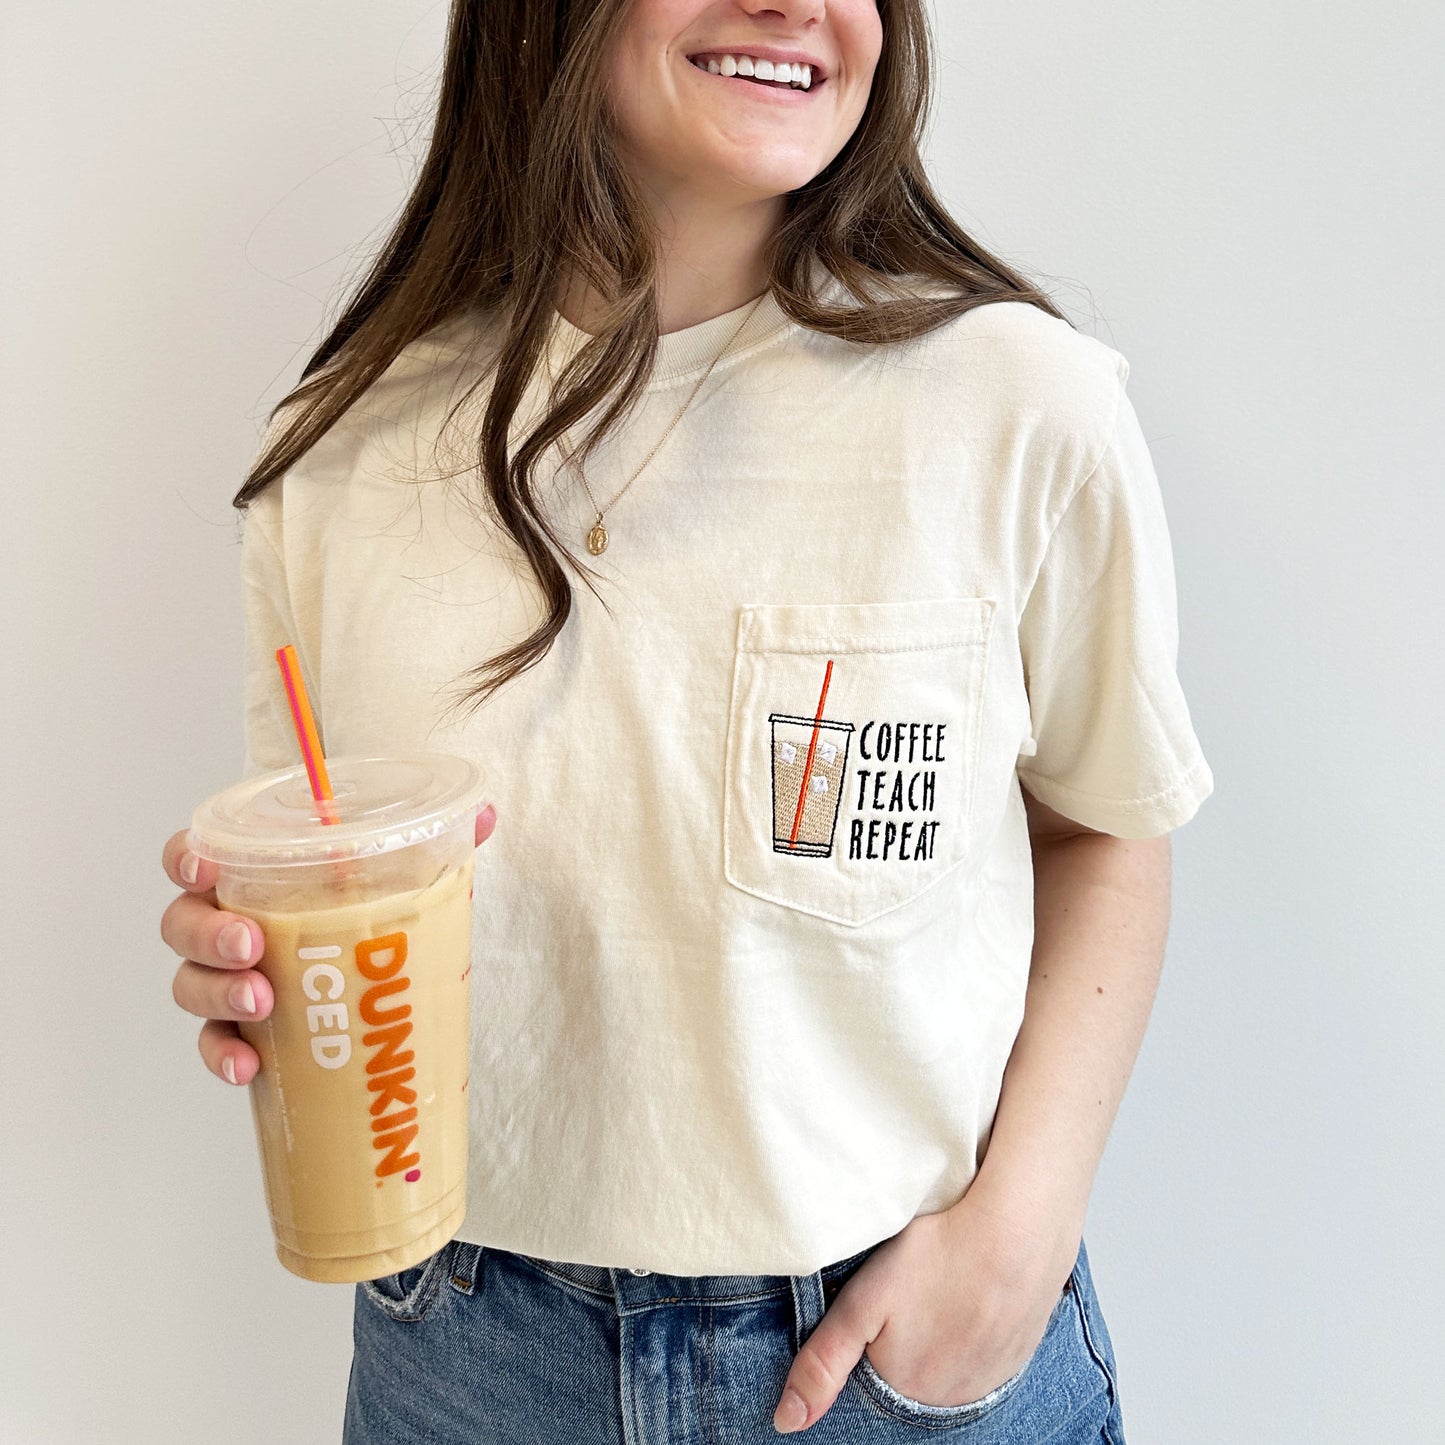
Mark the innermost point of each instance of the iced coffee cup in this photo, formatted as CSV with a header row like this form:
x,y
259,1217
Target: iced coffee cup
x,y
360,1101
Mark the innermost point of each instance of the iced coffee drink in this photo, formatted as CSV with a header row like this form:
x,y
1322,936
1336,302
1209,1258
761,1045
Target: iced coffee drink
x,y
360,1101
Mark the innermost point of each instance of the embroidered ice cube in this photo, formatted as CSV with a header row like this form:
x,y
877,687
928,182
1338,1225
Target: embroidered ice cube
x,y
787,752
827,751
818,783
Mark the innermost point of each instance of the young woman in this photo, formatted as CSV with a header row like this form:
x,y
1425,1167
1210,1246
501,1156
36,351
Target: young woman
x,y
826,908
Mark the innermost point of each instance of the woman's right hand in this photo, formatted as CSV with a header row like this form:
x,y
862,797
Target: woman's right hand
x,y
216,981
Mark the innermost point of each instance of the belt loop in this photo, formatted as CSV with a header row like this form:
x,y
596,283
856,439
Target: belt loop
x,y
466,1267
807,1305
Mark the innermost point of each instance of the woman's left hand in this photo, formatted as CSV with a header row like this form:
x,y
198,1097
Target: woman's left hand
x,y
946,1310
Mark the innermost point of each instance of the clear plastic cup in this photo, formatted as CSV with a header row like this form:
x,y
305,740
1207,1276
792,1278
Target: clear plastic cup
x,y
360,1103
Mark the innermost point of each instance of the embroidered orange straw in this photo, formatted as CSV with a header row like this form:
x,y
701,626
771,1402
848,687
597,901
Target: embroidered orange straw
x,y
306,734
812,748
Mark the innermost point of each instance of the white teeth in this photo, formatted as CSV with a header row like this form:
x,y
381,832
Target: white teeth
x,y
781,72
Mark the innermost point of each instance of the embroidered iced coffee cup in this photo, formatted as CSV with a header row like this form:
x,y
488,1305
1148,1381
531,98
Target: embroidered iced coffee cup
x,y
809,828
360,1102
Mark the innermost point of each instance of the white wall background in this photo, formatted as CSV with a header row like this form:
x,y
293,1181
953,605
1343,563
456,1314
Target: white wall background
x,y
1242,197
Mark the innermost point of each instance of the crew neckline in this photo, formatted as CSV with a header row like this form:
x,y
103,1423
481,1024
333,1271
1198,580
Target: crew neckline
x,y
682,354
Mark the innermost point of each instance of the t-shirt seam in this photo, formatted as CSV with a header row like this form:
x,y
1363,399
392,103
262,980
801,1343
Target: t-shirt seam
x,y
260,527
729,363
285,609
1121,372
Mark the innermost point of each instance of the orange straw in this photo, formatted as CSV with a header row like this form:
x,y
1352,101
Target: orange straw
x,y
306,734
812,748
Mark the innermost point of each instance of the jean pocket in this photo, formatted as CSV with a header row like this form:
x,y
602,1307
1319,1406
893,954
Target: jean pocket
x,y
1092,1326
851,759
883,1397
408,1294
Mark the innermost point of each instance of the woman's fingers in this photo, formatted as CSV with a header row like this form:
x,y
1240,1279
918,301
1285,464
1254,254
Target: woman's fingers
x,y
186,869
195,928
486,821
215,980
213,993
227,1055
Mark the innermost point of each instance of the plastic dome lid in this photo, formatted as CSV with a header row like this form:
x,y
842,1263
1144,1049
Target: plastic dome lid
x,y
380,804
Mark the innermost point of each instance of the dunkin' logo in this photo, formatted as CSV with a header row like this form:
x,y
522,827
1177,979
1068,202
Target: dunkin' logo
x,y
389,1068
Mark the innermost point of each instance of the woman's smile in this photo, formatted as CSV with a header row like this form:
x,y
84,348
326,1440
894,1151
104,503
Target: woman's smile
x,y
793,77
718,135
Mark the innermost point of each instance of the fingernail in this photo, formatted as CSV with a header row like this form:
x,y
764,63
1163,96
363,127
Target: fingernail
x,y
235,942
791,1413
188,867
243,999
488,809
228,1068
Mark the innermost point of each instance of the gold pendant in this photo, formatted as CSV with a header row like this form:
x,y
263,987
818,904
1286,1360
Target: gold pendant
x,y
597,539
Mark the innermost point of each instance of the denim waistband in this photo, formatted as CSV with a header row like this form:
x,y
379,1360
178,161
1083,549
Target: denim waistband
x,y
630,1288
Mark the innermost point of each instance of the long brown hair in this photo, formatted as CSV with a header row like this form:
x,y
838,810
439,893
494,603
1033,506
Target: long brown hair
x,y
522,185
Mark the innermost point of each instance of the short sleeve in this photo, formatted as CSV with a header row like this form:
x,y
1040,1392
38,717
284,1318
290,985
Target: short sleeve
x,y
1114,747
270,741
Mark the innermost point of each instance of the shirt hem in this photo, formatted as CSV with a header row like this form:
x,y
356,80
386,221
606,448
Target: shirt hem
x,y
1151,816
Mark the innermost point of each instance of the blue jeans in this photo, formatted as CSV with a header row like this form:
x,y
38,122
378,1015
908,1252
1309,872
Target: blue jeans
x,y
487,1347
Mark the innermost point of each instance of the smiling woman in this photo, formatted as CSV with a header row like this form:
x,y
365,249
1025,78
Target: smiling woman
x,y
759,938
641,197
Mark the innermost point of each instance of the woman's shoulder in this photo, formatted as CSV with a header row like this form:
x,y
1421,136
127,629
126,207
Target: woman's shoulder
x,y
1016,343
455,343
375,436
1011,343
1007,366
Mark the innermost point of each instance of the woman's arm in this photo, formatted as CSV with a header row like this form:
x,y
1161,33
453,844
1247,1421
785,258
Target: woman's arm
x,y
956,1302
1101,918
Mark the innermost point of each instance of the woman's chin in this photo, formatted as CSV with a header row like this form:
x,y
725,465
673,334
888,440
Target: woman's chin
x,y
768,181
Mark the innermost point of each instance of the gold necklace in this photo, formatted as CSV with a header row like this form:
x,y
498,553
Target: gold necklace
x,y
597,536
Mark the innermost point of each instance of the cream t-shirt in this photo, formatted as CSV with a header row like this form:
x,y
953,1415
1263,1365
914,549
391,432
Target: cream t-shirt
x,y
717,1029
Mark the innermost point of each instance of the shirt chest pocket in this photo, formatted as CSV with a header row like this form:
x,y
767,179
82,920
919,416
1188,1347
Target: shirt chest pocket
x,y
853,733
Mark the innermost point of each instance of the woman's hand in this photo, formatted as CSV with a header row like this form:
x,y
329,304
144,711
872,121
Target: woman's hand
x,y
946,1311
215,980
